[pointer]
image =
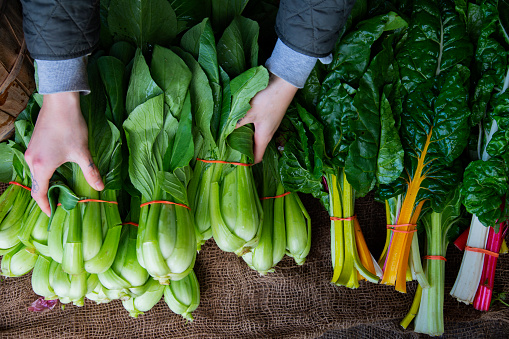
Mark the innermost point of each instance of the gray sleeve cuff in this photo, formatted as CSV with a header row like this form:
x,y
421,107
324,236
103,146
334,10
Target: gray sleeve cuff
x,y
63,76
292,66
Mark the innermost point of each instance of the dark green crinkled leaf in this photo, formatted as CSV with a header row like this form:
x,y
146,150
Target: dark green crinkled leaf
x,y
144,22
336,109
437,41
503,9
299,172
474,21
362,159
141,85
499,143
485,183
237,49
353,54
172,75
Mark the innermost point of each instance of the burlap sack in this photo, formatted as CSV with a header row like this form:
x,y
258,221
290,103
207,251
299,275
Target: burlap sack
x,y
293,302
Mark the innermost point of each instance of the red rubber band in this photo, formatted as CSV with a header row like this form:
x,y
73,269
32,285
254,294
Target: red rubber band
x,y
434,257
20,185
223,162
481,250
163,202
343,219
277,196
129,223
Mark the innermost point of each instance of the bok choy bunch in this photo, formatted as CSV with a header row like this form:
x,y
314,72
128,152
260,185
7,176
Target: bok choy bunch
x,y
159,135
286,224
223,195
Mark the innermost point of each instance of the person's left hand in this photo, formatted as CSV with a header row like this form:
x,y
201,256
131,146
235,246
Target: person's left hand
x,y
268,108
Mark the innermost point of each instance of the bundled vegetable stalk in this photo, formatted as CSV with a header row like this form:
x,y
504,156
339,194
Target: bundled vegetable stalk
x,y
430,302
360,143
434,128
223,193
286,223
159,136
485,184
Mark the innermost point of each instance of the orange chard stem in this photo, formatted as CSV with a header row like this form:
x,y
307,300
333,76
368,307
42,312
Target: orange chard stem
x,y
395,271
362,248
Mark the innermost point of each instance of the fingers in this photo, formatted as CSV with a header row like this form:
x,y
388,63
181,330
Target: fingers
x,y
90,171
260,144
40,182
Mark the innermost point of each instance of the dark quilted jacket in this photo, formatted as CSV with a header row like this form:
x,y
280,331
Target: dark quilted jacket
x,y
61,29
311,27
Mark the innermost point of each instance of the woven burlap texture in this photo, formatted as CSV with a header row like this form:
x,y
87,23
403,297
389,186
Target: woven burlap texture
x,y
294,302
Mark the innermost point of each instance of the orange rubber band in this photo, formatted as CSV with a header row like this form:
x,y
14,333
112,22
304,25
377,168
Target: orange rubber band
x,y
394,228
277,196
163,202
343,219
129,223
223,162
481,250
20,185
434,257
94,200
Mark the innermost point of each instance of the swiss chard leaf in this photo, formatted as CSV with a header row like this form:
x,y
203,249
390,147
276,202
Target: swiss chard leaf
x,y
437,41
353,54
484,186
144,22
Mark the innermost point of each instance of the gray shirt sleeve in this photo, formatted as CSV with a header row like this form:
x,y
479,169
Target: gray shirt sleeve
x,y
63,76
292,66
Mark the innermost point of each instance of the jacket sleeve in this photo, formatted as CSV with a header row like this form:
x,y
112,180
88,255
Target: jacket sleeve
x,y
61,29
311,27
59,35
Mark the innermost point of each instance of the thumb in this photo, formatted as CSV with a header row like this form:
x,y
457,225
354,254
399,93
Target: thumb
x,y
90,172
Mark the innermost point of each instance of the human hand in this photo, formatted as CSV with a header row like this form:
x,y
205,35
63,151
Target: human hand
x,y
60,136
268,108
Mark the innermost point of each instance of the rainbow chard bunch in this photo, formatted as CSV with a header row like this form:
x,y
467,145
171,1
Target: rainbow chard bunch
x,y
223,195
485,182
434,129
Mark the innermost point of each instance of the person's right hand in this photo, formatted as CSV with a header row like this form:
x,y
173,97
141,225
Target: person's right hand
x,y
60,136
